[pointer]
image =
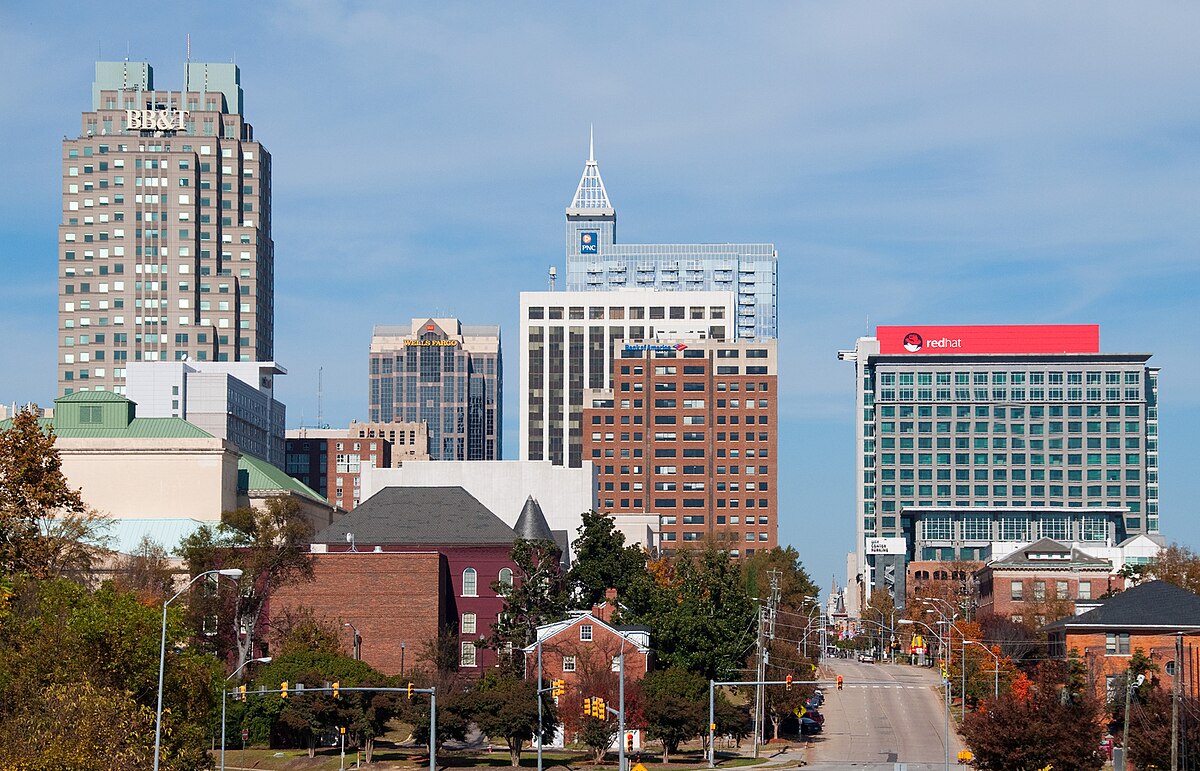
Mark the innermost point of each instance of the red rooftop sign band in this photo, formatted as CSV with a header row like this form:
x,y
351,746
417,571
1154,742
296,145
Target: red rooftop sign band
x,y
1031,338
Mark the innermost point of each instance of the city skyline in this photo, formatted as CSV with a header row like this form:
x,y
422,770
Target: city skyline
x,y
932,165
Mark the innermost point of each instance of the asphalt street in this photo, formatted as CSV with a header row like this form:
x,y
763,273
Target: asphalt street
x,y
887,718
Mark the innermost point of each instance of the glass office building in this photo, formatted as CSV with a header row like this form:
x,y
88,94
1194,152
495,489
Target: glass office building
x,y
973,436
443,373
596,262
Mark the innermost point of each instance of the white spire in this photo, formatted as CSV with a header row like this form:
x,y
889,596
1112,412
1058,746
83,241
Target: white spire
x,y
590,196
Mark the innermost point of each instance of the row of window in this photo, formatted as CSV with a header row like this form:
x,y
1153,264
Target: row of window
x,y
470,581
1073,377
1062,590
595,312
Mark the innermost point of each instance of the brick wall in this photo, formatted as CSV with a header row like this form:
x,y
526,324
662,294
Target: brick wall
x,y
1159,647
393,598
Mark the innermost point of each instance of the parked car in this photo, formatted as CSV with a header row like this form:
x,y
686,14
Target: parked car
x,y
809,726
866,658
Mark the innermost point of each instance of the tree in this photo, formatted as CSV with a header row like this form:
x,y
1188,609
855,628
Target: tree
x,y
676,706
147,572
782,701
1052,723
602,561
1015,639
536,596
1177,565
700,612
269,545
506,706
795,586
90,660
46,530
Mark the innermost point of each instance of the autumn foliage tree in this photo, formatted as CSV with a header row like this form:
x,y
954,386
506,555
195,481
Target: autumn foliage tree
x,y
1050,720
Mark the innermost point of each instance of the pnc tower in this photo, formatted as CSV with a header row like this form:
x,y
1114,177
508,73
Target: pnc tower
x,y
165,249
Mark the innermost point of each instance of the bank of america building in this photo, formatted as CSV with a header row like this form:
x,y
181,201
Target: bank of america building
x,y
596,262
974,440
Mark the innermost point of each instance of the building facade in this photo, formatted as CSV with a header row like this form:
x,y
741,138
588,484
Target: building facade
x,y
570,341
443,373
597,262
688,432
1034,420
1043,582
165,249
230,400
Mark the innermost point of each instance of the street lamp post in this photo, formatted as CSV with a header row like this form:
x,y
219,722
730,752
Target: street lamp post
x,y
996,680
225,692
946,681
891,629
235,574
358,644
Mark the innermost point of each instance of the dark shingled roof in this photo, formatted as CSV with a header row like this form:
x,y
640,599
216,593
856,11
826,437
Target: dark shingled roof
x,y
532,525
419,516
1152,604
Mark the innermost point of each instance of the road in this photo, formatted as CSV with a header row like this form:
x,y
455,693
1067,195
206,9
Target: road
x,y
897,716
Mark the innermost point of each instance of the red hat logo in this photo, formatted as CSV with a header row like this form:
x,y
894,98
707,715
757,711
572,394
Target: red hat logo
x,y
913,342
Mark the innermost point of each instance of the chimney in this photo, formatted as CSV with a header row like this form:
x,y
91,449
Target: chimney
x,y
605,612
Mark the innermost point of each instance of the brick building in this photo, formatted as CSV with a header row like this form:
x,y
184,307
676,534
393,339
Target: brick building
x,y
1042,582
688,432
1149,618
405,562
584,650
330,460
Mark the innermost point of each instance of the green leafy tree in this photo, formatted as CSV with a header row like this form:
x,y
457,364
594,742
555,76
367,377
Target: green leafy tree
x,y
702,618
90,659
536,596
270,545
676,707
46,530
506,706
602,561
782,702
795,586
1052,723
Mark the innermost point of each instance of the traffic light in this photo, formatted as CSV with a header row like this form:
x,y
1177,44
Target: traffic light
x,y
335,689
410,690
241,695
629,742
587,707
788,683
558,688
283,689
839,682
600,708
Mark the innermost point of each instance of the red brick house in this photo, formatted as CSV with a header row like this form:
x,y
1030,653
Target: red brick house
x,y
404,563
584,650
1148,617
1042,581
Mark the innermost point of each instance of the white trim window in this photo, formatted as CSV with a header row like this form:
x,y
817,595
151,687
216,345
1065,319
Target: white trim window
x,y
470,583
468,624
585,632
468,655
568,663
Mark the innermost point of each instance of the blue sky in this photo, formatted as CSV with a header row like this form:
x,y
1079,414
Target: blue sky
x,y
1017,162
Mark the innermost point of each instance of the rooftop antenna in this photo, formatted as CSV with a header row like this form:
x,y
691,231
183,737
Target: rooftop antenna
x,y
553,276
591,143
320,397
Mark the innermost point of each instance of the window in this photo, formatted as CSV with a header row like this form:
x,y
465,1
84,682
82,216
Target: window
x,y
1018,591
1085,590
585,632
468,655
568,663
506,577
468,624
1116,644
469,583
1039,590
1062,590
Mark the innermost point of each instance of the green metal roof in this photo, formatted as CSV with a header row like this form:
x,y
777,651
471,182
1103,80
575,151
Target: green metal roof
x,y
139,428
91,396
256,474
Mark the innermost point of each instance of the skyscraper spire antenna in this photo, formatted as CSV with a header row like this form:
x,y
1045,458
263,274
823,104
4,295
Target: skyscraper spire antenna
x,y
590,197
591,143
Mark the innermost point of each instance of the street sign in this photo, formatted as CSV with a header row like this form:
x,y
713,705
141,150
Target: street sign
x,y
245,734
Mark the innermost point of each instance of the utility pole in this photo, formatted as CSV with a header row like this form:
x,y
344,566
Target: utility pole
x,y
1175,682
766,631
